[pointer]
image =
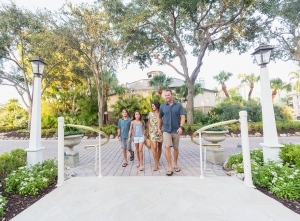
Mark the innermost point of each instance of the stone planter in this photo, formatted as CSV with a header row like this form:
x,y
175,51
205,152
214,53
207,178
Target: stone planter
x,y
70,142
214,136
215,154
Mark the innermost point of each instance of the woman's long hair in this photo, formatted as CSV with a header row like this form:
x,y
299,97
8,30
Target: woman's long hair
x,y
156,104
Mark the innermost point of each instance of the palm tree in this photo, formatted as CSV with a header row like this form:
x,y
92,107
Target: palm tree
x,y
277,85
160,82
181,93
249,79
221,78
295,75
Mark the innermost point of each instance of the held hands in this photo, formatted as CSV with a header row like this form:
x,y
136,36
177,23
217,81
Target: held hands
x,y
119,138
159,132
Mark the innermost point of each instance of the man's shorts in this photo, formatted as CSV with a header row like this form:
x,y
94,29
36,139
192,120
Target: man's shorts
x,y
171,140
125,143
139,139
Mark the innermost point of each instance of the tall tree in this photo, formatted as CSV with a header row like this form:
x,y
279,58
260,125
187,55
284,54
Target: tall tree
x,y
221,78
160,82
21,38
285,28
89,38
295,75
250,79
277,85
163,30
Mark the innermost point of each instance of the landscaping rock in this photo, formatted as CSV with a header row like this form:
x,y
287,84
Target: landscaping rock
x,y
226,167
257,134
297,134
251,135
84,138
188,136
68,173
111,136
241,176
282,135
233,135
231,173
227,135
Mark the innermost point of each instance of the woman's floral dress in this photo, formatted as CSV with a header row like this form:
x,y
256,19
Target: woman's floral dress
x,y
153,129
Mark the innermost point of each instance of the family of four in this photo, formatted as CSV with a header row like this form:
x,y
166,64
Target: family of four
x,y
165,125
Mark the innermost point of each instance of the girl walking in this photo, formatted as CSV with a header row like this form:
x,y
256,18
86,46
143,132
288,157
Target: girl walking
x,y
156,139
124,136
137,128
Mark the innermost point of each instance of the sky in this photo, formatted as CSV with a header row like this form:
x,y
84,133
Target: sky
x,y
213,62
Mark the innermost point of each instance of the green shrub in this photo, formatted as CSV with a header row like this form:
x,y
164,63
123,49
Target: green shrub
x,y
281,180
29,181
49,121
290,154
195,127
3,203
200,117
235,159
110,129
186,127
12,161
234,127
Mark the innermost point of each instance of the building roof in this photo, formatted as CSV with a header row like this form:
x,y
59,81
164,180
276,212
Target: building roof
x,y
143,84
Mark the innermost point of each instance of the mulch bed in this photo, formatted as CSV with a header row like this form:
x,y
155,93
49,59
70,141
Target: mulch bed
x,y
292,205
17,203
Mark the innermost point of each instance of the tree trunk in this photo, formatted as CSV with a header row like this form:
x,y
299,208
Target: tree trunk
x,y
274,92
73,104
224,88
250,92
29,109
99,98
159,92
190,103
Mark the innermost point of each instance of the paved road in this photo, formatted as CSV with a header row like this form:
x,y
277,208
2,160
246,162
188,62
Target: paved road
x,y
112,157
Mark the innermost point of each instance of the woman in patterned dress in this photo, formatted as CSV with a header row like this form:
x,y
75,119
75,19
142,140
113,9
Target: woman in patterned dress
x,y
156,139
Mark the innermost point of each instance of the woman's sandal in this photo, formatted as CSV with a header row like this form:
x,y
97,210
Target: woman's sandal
x,y
177,169
155,168
141,168
124,164
169,173
138,165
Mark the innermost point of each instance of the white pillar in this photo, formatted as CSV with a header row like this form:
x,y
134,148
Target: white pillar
x,y
270,145
246,150
60,152
34,151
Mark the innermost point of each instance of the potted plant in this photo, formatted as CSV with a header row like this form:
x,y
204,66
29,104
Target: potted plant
x,y
215,134
72,138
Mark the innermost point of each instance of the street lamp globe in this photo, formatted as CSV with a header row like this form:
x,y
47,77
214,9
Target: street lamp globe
x,y
262,54
37,65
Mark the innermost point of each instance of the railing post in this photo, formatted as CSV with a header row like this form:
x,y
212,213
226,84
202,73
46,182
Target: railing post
x,y
201,158
60,157
100,169
246,150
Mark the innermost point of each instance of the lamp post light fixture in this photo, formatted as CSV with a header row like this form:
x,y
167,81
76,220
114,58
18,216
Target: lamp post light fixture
x,y
270,145
34,151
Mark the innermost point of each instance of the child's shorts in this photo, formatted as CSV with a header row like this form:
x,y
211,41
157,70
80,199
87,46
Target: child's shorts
x,y
139,139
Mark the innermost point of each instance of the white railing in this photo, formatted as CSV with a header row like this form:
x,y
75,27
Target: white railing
x,y
60,158
245,144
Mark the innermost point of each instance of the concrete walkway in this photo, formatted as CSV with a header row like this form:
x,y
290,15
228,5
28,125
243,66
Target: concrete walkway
x,y
156,198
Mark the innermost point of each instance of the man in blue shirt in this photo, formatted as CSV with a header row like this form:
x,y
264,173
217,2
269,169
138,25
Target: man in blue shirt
x,y
172,115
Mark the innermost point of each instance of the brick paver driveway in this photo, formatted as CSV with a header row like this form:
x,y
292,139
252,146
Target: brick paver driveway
x,y
112,157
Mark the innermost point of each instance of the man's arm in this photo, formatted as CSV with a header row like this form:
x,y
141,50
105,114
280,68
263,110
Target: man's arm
x,y
182,120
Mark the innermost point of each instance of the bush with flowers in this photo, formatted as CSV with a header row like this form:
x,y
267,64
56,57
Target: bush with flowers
x,y
3,202
281,178
29,181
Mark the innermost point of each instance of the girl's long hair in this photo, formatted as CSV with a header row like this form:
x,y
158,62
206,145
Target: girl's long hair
x,y
133,117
